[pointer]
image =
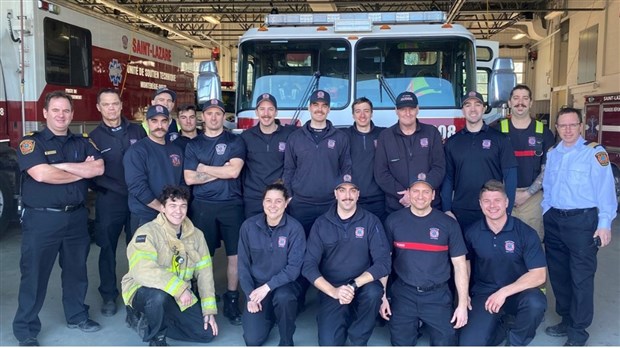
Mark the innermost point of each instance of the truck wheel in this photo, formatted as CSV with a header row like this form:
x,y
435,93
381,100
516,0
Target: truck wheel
x,y
7,202
616,172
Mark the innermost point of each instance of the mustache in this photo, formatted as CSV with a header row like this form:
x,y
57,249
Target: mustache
x,y
520,105
159,129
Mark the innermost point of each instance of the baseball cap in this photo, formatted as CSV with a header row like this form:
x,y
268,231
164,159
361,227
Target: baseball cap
x,y
472,95
213,103
422,177
345,179
267,97
172,93
406,99
156,110
320,95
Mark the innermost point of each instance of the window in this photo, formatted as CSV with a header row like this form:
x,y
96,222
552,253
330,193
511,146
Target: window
x,y
520,71
68,54
588,40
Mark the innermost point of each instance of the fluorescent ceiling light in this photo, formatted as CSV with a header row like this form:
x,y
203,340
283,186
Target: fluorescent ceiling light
x,y
553,14
211,19
519,36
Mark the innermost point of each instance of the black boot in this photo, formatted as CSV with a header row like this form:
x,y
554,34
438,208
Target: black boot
x,y
158,341
231,307
132,318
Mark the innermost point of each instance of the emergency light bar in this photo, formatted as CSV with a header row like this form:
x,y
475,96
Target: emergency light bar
x,y
355,21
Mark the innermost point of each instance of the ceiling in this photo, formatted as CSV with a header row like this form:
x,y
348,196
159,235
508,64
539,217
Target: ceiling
x,y
184,20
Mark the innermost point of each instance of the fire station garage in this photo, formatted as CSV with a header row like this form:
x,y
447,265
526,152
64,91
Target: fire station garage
x,y
566,51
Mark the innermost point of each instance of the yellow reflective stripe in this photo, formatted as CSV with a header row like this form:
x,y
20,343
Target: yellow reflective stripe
x,y
142,255
189,274
539,127
173,285
204,262
208,303
504,125
129,293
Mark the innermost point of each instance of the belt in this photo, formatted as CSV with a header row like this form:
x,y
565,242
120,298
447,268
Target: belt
x,y
428,288
572,212
65,209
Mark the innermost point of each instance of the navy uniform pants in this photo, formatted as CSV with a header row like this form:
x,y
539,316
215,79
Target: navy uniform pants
x,y
136,221
355,320
482,327
376,207
279,307
46,234
252,206
409,306
111,217
164,317
307,213
571,260
467,217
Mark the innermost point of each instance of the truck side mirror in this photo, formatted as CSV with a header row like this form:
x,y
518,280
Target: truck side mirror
x,y
501,82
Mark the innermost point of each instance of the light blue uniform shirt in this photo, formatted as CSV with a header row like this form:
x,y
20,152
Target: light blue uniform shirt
x,y
580,177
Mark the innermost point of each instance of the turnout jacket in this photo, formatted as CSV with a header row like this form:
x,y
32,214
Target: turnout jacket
x,y
340,254
154,255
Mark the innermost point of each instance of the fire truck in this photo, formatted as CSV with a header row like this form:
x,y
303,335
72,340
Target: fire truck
x,y
602,125
58,46
372,55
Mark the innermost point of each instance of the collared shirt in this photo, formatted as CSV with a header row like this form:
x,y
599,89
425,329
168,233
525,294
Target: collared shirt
x,y
45,147
423,245
500,259
580,177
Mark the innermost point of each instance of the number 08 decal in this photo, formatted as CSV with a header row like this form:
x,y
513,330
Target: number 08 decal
x,y
446,131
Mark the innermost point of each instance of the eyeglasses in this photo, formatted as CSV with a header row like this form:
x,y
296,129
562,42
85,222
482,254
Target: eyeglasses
x,y
568,125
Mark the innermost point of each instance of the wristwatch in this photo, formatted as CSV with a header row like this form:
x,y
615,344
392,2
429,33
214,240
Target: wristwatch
x,y
353,284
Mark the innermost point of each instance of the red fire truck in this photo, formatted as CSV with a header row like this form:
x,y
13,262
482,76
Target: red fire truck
x,y
47,47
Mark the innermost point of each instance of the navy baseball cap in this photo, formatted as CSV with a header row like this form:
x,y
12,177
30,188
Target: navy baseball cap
x,y
172,93
345,179
214,103
156,110
267,97
472,95
422,177
406,99
320,95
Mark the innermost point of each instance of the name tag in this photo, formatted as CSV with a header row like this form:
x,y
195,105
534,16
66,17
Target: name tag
x,y
50,152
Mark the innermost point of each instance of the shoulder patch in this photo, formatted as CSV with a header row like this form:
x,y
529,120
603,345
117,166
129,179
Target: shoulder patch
x,y
592,144
30,134
26,146
141,238
602,158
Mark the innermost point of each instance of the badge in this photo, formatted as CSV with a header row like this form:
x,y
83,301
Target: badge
x,y
509,246
331,143
531,141
50,152
486,144
173,136
281,146
434,233
26,146
132,141
601,157
220,149
359,232
422,176
141,238
424,142
176,160
281,242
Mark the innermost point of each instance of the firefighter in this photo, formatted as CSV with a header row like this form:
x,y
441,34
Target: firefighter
x,y
56,165
187,123
165,255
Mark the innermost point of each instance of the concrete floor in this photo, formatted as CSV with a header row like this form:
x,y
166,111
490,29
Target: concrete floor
x,y
605,330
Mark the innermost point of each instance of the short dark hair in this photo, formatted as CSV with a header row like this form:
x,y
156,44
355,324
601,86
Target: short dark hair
x,y
174,193
187,107
569,110
493,186
57,94
361,100
278,185
524,87
107,90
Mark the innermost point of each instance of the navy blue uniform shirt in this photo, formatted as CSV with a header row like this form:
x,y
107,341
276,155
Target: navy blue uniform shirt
x,y
113,142
500,259
46,148
341,253
311,167
264,160
472,159
422,246
400,158
363,147
215,151
271,256
182,141
149,167
524,143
